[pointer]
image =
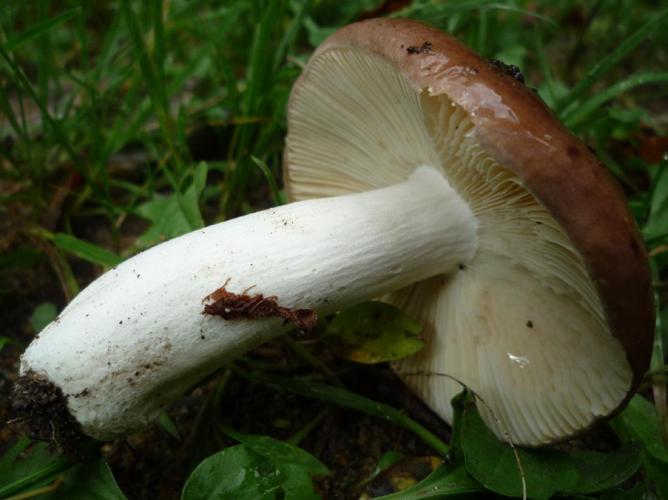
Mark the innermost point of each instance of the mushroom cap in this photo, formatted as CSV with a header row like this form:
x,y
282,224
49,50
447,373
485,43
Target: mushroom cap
x,y
552,322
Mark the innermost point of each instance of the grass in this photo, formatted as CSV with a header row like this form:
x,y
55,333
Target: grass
x,y
124,123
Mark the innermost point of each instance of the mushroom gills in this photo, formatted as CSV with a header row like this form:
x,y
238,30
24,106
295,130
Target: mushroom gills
x,y
522,324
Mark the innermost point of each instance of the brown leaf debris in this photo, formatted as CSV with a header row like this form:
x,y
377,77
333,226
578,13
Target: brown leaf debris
x,y
233,306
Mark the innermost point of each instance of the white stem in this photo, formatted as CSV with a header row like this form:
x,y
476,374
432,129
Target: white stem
x,y
136,338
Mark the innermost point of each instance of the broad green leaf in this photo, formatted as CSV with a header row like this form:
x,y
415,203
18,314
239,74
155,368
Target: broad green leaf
x,y
234,473
638,491
91,480
656,475
373,332
241,473
280,452
445,481
175,214
85,250
167,220
546,472
638,422
43,314
297,484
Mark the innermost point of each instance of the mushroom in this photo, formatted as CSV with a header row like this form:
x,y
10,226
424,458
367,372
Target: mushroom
x,y
420,173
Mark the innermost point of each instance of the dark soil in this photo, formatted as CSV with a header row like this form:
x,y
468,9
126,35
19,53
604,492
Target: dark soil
x,y
153,464
42,408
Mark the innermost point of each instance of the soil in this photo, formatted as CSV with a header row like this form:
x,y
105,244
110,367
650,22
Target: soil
x,y
42,407
153,464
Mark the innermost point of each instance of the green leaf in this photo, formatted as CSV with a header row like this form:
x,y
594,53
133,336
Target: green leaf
x,y
4,341
55,125
189,201
175,214
21,257
546,471
638,491
91,480
317,34
656,475
240,472
373,332
168,425
385,462
297,484
28,466
347,399
235,473
85,250
445,481
579,114
657,220
279,197
39,29
43,314
610,61
638,422
167,220
280,452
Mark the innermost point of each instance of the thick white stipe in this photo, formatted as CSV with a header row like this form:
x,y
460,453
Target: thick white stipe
x,y
136,338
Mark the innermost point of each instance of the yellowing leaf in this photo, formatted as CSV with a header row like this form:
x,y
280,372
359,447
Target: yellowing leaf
x,y
373,332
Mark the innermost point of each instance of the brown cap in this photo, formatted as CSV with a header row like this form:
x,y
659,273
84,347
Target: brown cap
x,y
558,246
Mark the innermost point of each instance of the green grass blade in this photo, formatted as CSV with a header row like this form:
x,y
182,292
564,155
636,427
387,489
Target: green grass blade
x,y
49,472
154,83
39,29
259,82
290,35
58,132
523,12
85,250
608,63
158,40
8,112
439,11
583,111
544,64
273,185
348,399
